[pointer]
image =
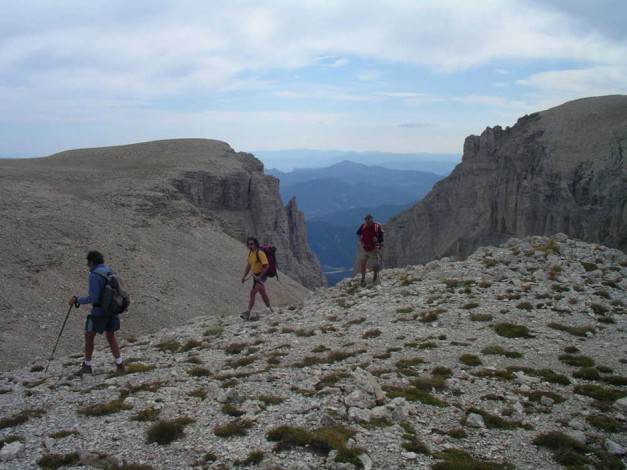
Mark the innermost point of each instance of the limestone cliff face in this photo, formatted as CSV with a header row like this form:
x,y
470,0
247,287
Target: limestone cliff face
x,y
249,203
560,170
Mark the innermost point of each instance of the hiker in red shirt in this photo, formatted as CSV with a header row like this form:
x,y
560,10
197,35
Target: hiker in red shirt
x,y
370,235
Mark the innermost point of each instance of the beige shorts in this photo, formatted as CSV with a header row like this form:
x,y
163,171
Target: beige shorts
x,y
368,255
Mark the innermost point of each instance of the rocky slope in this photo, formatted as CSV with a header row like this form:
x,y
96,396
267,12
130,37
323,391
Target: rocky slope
x,y
559,170
171,215
500,359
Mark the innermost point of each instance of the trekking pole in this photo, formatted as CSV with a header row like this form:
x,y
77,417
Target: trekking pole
x,y
59,337
379,264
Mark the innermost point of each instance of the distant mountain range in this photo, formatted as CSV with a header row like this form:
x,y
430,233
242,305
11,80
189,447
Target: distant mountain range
x,y
335,199
288,160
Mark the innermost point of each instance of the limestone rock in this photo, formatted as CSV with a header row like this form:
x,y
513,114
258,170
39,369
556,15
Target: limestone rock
x,y
559,170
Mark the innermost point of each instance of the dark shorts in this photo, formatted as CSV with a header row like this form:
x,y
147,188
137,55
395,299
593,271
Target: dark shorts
x,y
96,324
260,281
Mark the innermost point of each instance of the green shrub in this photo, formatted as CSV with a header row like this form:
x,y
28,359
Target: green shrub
x,y
239,427
149,414
496,349
58,460
481,317
576,361
373,333
454,459
165,432
103,409
20,418
511,330
470,360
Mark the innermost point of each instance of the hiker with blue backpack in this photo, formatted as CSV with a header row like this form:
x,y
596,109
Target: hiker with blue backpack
x,y
257,263
100,320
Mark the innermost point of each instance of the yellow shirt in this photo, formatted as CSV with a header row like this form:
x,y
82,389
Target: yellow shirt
x,y
256,264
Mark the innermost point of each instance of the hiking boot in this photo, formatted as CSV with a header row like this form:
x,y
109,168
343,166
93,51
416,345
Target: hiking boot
x,y
245,315
374,278
254,317
85,369
363,282
120,368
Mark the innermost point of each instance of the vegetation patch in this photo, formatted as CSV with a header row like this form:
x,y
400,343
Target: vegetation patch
x,y
191,344
165,432
199,372
104,409
332,357
64,433
419,390
372,333
149,414
571,453
495,374
239,427
576,361
525,306
271,399
136,368
495,349
492,421
331,379
169,346
599,393
454,459
470,360
20,418
241,362
214,331
536,396
321,441
605,423
546,374
232,410
404,310
254,459
511,330
581,331
236,348
58,460
481,317
587,373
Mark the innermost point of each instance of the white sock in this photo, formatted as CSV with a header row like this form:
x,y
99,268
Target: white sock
x,y
118,360
87,363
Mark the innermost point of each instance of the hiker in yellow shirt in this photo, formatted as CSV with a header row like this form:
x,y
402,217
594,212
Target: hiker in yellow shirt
x,y
257,262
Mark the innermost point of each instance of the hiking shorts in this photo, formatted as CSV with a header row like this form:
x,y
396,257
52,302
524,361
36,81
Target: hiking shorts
x,y
98,324
260,281
368,255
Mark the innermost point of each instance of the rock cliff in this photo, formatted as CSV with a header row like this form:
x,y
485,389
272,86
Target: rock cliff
x,y
171,215
560,170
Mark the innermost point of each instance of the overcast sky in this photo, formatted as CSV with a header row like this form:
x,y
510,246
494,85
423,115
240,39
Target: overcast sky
x,y
395,75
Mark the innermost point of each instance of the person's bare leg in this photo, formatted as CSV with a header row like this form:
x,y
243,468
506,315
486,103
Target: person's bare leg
x,y
113,344
89,345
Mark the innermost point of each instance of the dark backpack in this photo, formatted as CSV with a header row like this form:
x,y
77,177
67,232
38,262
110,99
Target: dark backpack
x,y
114,299
270,252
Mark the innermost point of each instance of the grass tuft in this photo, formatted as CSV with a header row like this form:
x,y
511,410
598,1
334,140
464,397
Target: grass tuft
x,y
165,432
511,330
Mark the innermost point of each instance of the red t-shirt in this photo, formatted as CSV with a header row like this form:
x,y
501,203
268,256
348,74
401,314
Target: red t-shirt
x,y
368,234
